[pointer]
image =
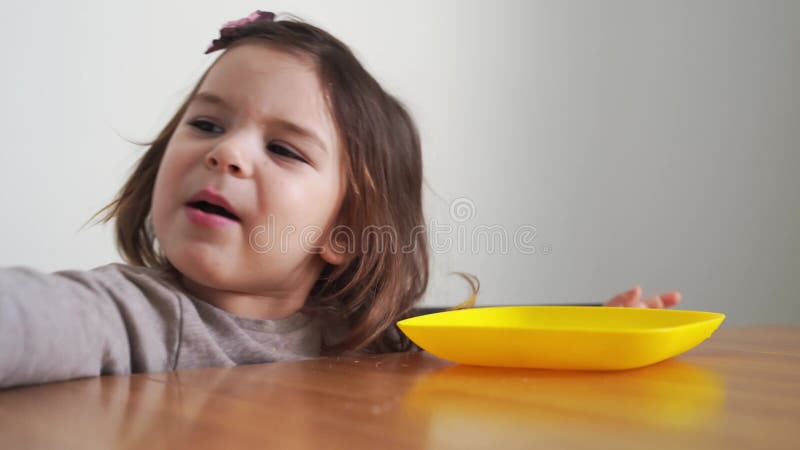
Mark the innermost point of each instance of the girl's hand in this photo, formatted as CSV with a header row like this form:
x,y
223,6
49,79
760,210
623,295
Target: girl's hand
x,y
632,298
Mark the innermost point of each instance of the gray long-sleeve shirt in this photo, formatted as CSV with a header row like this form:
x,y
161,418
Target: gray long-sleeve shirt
x,y
121,319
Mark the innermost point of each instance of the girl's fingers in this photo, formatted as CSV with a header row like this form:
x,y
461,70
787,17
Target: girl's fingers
x,y
663,300
627,298
671,298
635,299
654,302
632,299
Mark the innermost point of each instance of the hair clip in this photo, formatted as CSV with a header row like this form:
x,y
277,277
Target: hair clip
x,y
230,31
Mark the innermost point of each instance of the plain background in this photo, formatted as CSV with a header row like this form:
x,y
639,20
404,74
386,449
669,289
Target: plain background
x,y
651,143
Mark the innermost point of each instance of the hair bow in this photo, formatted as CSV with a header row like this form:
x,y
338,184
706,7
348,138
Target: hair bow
x,y
230,31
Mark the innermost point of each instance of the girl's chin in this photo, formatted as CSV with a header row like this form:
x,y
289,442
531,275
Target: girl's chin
x,y
202,264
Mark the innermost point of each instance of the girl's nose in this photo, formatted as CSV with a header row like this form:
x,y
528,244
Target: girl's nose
x,y
226,158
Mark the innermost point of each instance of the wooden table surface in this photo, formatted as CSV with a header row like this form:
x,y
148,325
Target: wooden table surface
x,y
739,389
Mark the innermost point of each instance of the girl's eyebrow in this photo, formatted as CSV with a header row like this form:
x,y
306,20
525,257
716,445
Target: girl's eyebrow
x,y
213,99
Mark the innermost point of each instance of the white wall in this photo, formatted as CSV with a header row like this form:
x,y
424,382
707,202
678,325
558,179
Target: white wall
x,y
647,142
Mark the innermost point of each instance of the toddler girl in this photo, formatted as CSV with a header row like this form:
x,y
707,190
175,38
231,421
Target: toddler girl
x,y
277,216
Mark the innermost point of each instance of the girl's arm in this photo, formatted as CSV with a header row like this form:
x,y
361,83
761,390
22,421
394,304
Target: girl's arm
x,y
71,324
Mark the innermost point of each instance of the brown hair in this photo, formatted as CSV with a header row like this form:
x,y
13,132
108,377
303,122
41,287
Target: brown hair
x,y
382,161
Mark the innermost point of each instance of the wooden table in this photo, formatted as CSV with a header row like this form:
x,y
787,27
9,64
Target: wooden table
x,y
739,389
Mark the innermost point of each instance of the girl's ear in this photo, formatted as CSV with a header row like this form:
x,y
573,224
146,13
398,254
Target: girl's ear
x,y
333,254
338,247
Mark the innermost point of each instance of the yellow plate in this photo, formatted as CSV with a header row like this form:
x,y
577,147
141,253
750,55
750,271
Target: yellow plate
x,y
560,337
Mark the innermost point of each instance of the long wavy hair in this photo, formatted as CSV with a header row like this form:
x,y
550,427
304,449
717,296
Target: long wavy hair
x,y
382,163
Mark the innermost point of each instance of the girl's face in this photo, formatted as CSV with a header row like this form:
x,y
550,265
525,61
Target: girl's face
x,y
258,133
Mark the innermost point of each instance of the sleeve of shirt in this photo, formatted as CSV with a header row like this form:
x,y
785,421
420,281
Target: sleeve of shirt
x,y
114,319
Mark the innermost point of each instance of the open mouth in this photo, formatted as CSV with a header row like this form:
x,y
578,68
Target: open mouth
x,y
213,209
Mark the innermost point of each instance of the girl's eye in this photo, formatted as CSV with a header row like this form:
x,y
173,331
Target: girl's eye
x,y
210,127
206,126
284,151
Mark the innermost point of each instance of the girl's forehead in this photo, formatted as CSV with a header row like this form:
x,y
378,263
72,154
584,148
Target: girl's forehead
x,y
262,67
